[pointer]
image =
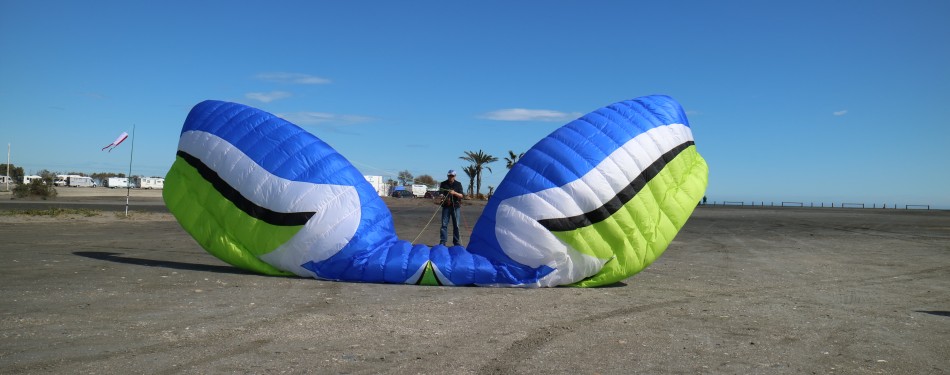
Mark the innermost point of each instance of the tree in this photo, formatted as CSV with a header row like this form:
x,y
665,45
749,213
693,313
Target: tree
x,y
426,180
38,188
512,159
47,175
41,187
16,173
479,160
405,178
471,171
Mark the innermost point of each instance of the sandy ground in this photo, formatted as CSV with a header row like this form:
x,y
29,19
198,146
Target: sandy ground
x,y
740,291
97,193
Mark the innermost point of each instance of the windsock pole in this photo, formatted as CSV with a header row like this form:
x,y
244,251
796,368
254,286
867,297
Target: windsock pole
x,y
128,181
8,167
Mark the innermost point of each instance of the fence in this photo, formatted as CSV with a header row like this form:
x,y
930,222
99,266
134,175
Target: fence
x,y
892,206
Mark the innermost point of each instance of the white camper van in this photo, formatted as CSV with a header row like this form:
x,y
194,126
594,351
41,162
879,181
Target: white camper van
x,y
419,190
79,181
117,182
149,182
30,178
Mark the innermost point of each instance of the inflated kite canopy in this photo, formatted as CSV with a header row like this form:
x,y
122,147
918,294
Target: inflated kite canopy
x,y
591,204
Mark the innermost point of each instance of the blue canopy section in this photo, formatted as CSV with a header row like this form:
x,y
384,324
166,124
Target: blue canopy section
x,y
574,149
287,151
403,260
569,153
374,254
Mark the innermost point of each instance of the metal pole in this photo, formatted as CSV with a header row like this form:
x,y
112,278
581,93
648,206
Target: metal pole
x,y
8,167
128,181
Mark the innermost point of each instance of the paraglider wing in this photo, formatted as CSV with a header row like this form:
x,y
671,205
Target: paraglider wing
x,y
591,204
599,199
264,195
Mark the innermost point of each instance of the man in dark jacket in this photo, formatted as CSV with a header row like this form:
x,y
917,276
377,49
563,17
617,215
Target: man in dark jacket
x,y
452,201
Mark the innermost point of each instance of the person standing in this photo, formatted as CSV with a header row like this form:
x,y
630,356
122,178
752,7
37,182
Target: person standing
x,y
451,204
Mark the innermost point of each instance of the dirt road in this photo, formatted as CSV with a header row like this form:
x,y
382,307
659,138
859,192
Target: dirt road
x,y
740,290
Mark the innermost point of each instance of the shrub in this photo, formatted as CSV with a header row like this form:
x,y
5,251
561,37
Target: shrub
x,y
36,188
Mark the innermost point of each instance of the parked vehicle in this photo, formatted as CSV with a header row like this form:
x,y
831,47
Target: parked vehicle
x,y
419,190
149,182
402,194
80,181
433,194
118,182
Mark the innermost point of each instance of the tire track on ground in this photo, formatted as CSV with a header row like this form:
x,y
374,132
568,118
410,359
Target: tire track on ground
x,y
512,357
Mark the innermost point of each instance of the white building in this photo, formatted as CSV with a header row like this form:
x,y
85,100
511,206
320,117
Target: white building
x,y
378,184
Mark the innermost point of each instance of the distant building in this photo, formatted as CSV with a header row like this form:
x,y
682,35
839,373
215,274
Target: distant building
x,y
378,184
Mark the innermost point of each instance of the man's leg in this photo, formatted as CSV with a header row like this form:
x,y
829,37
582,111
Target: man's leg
x,y
455,226
443,233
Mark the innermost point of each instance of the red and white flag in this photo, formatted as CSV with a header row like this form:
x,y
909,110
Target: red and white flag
x,y
116,142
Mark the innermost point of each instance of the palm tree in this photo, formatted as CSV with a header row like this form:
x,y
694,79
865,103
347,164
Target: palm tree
x,y
478,160
471,172
512,159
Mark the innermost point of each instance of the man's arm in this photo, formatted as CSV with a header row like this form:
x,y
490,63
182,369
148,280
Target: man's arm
x,y
454,190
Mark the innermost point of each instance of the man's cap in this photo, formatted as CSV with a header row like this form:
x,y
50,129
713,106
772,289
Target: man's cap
x,y
451,172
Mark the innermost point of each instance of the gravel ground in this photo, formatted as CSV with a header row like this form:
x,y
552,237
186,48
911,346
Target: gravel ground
x,y
740,291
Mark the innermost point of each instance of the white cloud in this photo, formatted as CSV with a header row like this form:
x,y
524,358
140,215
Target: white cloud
x,y
293,78
94,95
267,97
522,114
840,113
317,118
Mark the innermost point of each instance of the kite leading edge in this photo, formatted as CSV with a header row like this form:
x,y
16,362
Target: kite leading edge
x,y
591,204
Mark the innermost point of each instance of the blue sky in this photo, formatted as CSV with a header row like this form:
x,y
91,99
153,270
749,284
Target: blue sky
x,y
812,101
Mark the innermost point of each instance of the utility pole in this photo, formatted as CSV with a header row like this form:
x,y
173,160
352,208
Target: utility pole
x,y
8,166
